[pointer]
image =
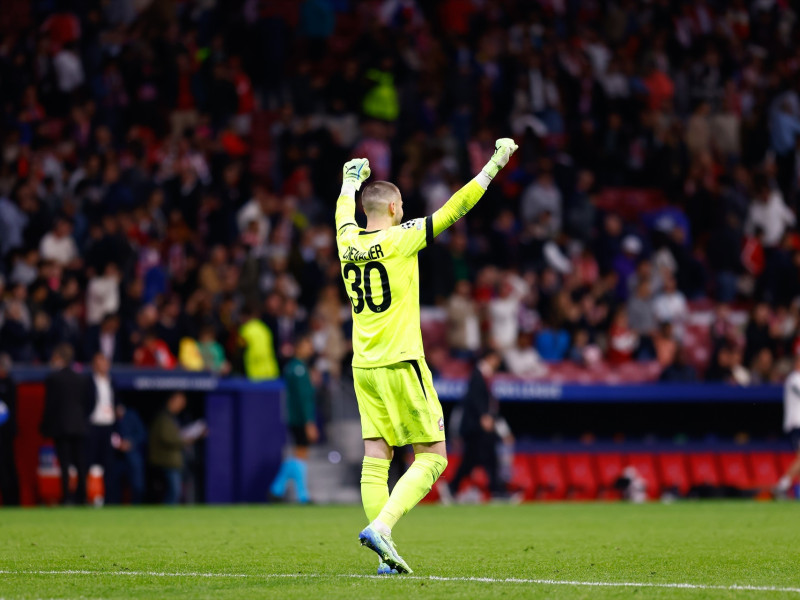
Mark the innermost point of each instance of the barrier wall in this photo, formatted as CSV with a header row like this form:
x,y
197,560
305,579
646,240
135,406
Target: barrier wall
x,y
244,444
246,431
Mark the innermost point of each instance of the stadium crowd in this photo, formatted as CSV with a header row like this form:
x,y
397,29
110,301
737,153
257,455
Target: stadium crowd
x,y
169,172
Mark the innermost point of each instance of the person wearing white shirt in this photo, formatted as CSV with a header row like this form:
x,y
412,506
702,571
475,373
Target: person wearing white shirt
x,y
58,244
522,360
102,417
102,295
69,69
670,305
504,312
769,212
791,424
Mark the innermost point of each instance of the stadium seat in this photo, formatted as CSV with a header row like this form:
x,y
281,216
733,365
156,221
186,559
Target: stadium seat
x,y
609,469
645,465
581,479
672,470
549,477
764,469
733,471
703,474
522,477
785,460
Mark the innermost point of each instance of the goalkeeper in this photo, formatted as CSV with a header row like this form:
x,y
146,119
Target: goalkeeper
x,y
394,387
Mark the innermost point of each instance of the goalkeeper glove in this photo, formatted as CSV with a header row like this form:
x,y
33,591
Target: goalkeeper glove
x,y
355,172
503,149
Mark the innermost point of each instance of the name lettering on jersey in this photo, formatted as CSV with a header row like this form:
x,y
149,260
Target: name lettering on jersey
x,y
354,254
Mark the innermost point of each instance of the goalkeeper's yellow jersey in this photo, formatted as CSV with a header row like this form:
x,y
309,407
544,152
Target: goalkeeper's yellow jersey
x,y
381,274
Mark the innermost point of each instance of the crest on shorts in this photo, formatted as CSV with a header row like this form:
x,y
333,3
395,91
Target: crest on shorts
x,y
441,423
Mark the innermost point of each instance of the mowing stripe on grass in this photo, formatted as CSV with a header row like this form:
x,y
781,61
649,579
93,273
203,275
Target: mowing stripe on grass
x,y
513,580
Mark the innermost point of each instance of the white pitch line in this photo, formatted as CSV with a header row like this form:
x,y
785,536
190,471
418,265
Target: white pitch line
x,y
512,580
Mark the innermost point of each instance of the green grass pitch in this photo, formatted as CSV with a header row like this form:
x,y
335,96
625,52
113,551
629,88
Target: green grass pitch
x,y
312,552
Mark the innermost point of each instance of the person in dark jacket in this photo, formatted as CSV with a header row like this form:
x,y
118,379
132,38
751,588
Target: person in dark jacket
x,y
9,485
130,440
478,426
166,446
67,404
301,418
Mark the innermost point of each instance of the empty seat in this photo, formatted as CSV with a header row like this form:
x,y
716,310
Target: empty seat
x,y
522,477
763,469
581,478
733,471
609,469
672,470
703,470
549,476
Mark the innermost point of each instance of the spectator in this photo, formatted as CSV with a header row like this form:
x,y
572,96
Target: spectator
x,y
108,340
622,340
68,403
666,346
522,360
678,371
552,342
255,338
641,314
758,335
504,312
9,485
166,445
670,305
542,196
153,353
101,419
102,295
463,325
625,264
301,420
58,244
212,352
130,443
769,213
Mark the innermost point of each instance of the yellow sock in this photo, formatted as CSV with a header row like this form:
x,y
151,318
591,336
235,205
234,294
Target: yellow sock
x,y
374,485
412,487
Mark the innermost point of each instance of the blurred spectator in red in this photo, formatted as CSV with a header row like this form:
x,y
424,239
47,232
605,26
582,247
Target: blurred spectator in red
x,y
153,352
622,340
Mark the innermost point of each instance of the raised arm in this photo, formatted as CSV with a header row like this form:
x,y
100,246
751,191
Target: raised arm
x,y
354,173
464,199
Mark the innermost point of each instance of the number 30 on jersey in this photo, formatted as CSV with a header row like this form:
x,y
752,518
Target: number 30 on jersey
x,y
361,285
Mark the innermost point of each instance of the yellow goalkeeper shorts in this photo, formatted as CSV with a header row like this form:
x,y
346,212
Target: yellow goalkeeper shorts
x,y
399,404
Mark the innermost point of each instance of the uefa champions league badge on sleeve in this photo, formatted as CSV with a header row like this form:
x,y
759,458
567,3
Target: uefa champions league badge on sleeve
x,y
4,412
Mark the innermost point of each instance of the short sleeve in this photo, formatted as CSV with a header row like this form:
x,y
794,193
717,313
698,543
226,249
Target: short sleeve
x,y
412,236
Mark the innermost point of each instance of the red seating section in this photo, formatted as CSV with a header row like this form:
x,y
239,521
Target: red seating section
x,y
733,471
672,469
589,476
609,469
581,479
703,470
764,468
548,473
645,465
